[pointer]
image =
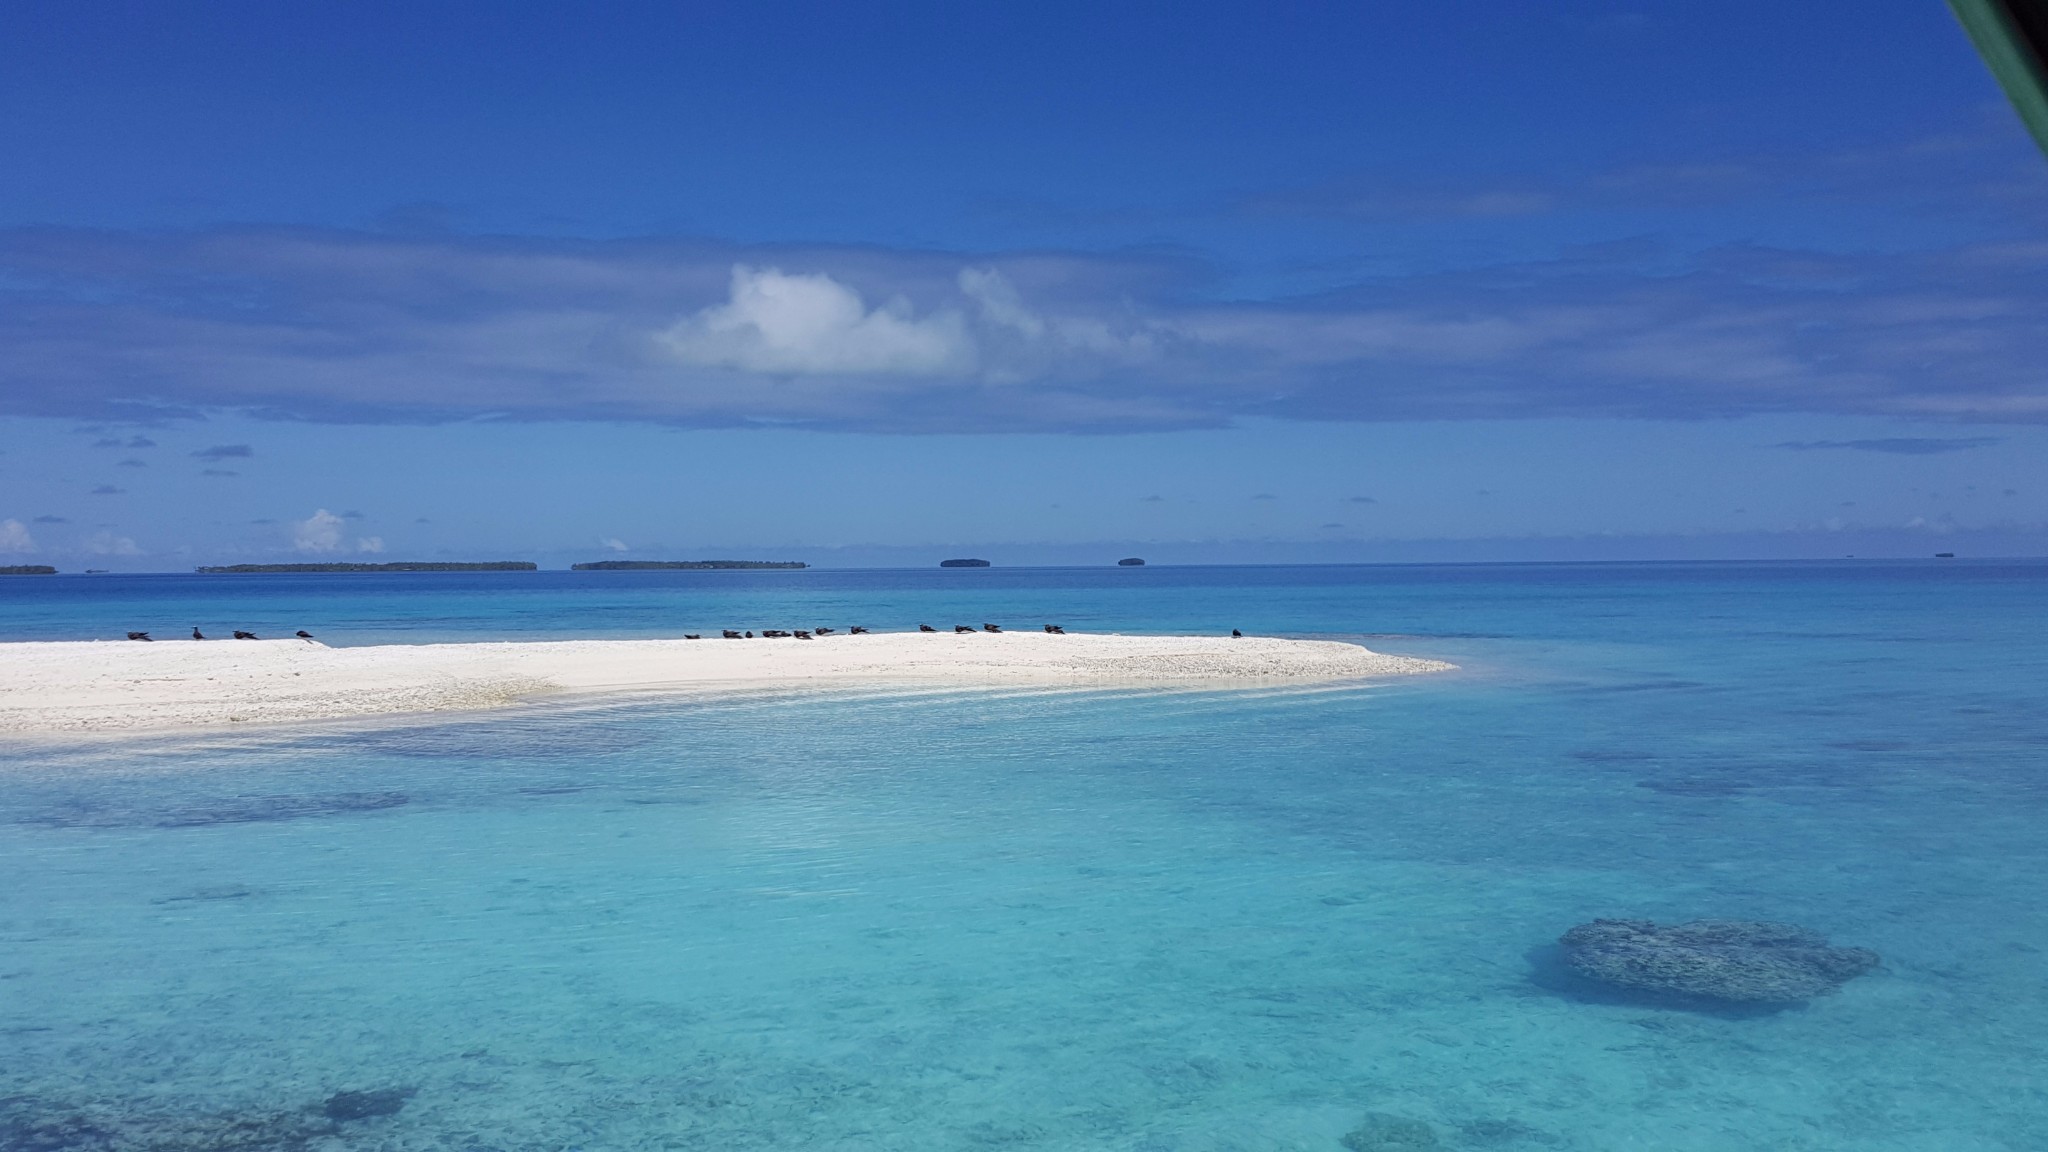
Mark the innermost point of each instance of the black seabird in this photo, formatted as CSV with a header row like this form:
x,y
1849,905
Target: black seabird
x,y
990,628
687,636
750,635
241,635
962,628
821,631
303,634
926,628
802,635
138,635
198,635
1059,630
772,633
1236,633
856,630
731,635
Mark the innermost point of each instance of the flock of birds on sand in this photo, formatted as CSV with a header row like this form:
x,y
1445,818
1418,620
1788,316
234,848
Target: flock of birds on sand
x,y
239,635
730,634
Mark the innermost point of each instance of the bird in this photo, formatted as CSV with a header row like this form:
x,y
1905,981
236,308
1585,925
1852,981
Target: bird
x,y
926,628
686,636
856,630
773,633
990,628
241,635
821,631
138,635
802,635
1234,632
303,634
198,635
731,635
962,628
750,635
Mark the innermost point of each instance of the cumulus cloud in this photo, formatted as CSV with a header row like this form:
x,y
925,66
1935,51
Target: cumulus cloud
x,y
333,326
813,325
15,538
108,544
320,532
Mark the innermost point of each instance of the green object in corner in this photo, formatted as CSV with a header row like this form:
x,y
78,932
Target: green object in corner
x,y
2012,36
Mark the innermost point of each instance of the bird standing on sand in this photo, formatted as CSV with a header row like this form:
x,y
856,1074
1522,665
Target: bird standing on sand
x,y
926,628
856,630
303,634
138,635
686,636
1234,632
198,635
990,628
731,635
802,635
821,631
241,635
958,628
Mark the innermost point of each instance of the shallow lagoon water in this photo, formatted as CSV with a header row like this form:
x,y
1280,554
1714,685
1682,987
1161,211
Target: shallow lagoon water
x,y
1068,920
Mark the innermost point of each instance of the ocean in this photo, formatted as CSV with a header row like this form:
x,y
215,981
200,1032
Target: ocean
x,y
1316,920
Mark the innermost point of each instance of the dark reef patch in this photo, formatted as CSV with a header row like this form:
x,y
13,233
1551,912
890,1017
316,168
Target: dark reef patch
x,y
1738,962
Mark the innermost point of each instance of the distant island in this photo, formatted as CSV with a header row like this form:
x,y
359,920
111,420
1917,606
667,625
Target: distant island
x,y
397,566
1131,562
27,570
963,563
683,565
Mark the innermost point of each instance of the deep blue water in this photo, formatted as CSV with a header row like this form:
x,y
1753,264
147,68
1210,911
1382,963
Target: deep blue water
x,y
1057,921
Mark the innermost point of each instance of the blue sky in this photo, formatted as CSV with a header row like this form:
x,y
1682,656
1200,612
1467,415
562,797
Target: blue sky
x,y
863,284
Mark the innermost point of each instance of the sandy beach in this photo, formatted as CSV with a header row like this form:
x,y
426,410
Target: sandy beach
x,y
114,686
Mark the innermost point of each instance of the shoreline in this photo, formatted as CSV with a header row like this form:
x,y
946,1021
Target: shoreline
x,y
85,688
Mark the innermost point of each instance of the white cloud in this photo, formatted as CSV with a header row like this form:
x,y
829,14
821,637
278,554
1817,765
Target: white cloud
x,y
369,543
14,537
614,543
108,544
813,325
320,532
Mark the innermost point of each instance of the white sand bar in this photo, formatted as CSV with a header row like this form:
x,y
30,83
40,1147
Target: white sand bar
x,y
111,686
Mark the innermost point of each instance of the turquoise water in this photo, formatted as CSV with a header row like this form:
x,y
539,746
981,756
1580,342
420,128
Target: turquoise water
x,y
1057,921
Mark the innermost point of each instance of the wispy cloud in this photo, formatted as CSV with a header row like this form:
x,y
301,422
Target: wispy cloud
x,y
53,520
356,327
225,452
614,544
1896,445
